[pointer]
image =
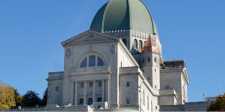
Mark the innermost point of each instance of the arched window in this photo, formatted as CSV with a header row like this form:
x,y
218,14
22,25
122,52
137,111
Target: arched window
x,y
83,63
92,61
135,44
100,62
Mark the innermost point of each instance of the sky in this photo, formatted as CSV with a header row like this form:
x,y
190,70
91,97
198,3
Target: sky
x,y
31,32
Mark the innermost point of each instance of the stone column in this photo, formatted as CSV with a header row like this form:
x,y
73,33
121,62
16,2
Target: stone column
x,y
106,91
85,93
109,91
93,92
103,90
76,93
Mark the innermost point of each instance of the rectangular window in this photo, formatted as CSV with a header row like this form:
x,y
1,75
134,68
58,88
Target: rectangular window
x,y
92,61
128,101
81,101
99,99
128,84
90,101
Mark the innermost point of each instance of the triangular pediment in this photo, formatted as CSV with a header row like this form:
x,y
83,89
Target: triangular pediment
x,y
88,37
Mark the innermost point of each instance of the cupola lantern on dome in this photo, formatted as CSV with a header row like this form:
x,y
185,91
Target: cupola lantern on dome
x,y
123,15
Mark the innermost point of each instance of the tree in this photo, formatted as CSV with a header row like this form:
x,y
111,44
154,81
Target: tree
x,y
31,99
218,105
18,98
45,98
7,97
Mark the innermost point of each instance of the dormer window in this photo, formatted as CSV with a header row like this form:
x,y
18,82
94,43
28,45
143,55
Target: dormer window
x,y
92,61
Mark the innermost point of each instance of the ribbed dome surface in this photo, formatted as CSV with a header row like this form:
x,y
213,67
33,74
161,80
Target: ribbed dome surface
x,y
123,15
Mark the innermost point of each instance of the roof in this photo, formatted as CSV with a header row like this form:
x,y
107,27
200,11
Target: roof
x,y
89,34
123,15
174,64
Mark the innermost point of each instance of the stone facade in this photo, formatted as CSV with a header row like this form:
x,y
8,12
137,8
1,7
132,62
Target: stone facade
x,y
101,71
119,82
174,77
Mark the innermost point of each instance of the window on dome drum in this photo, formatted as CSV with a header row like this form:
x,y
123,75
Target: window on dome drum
x,y
141,44
92,61
135,43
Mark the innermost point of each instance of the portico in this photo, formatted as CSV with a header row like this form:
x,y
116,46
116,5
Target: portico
x,y
90,92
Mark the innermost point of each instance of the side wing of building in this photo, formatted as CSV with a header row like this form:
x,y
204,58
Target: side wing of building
x,y
174,82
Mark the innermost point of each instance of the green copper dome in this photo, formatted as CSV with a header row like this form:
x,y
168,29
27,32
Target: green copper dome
x,y
123,15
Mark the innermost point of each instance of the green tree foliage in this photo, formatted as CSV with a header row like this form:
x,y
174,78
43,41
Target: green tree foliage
x,y
7,97
31,99
218,105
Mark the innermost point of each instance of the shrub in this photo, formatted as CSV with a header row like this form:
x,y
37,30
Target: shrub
x,y
218,105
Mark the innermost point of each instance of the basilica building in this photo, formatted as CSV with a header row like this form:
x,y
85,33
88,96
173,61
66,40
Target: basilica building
x,y
117,64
